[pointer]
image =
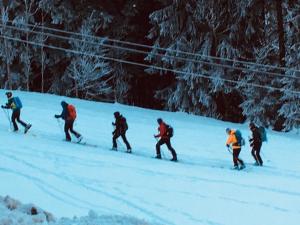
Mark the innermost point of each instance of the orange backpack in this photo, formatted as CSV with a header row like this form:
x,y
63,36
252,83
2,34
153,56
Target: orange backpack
x,y
72,112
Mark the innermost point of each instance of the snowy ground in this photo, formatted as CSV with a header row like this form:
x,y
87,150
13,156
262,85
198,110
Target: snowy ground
x,y
69,180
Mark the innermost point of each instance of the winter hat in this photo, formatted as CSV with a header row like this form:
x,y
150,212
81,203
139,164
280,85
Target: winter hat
x,y
9,94
228,130
117,114
251,125
159,120
63,103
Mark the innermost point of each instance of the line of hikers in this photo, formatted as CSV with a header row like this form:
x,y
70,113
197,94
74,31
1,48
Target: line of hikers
x,y
235,140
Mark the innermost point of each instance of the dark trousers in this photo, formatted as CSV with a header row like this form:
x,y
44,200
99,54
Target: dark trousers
x,y
123,135
168,143
235,155
256,154
69,127
16,116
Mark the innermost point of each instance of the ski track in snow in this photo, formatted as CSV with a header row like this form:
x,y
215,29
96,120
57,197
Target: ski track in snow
x,y
90,177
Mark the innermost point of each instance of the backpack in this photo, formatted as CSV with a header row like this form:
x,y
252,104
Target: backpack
x,y
17,102
72,112
124,124
170,131
239,138
263,134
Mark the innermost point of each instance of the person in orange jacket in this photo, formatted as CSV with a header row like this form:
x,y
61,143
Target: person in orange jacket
x,y
164,139
236,148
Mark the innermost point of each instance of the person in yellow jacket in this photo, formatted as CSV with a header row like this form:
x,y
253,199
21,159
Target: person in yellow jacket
x,y
236,148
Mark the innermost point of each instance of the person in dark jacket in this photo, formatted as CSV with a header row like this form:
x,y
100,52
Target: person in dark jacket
x,y
164,139
120,130
255,143
15,105
68,114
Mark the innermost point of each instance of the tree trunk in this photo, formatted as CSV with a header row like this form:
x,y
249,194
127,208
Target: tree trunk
x,y
280,29
9,80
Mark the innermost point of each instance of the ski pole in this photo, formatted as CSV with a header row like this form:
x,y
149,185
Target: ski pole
x,y
59,125
120,144
161,150
229,150
6,112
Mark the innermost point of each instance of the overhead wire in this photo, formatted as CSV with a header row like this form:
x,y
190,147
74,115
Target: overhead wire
x,y
157,48
156,54
147,66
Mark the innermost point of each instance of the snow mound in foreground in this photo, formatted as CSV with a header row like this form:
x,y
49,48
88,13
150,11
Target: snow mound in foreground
x,y
13,212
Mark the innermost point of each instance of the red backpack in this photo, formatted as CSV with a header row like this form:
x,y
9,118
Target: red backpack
x,y
72,112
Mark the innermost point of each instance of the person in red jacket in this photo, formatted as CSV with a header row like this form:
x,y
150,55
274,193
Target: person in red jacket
x,y
164,139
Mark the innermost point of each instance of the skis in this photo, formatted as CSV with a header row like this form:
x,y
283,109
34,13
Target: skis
x,y
170,160
82,142
85,144
116,150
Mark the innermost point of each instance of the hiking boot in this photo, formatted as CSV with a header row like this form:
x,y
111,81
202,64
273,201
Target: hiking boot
x,y
235,167
27,128
174,160
242,166
256,164
158,157
79,139
128,150
114,149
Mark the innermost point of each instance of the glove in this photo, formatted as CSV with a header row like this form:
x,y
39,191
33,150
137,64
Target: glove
x,y
227,146
2,106
56,116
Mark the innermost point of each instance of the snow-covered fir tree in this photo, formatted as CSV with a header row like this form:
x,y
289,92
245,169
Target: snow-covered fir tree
x,y
290,109
8,50
224,29
88,71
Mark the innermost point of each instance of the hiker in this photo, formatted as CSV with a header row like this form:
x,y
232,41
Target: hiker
x,y
15,104
121,127
255,143
236,147
164,139
69,115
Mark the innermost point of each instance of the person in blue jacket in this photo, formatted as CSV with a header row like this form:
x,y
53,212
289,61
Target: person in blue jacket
x,y
15,104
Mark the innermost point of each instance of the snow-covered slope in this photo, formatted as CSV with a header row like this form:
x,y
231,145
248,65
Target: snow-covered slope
x,y
69,180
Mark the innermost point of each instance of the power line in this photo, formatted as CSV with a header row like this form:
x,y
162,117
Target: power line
x,y
157,54
158,48
147,66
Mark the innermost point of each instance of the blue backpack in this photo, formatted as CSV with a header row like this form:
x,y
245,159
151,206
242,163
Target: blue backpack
x,y
17,102
239,138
